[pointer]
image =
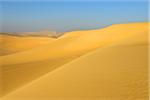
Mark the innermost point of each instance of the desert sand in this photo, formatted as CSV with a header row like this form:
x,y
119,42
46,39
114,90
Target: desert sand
x,y
11,44
109,63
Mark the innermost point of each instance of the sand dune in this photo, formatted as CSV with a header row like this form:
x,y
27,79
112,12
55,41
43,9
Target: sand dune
x,y
77,43
116,72
41,34
11,44
35,34
21,68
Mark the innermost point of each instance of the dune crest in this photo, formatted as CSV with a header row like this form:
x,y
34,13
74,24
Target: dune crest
x,y
72,43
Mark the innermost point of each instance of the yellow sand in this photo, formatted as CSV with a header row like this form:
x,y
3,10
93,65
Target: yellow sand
x,y
117,70
77,43
11,44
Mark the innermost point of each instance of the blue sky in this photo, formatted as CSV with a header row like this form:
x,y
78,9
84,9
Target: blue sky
x,y
68,16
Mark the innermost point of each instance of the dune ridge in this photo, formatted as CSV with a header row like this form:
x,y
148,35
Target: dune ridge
x,y
66,48
72,43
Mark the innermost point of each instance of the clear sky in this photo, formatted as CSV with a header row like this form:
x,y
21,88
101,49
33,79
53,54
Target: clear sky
x,y
69,16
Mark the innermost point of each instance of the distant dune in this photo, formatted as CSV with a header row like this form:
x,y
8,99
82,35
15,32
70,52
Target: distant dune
x,y
117,68
11,44
38,34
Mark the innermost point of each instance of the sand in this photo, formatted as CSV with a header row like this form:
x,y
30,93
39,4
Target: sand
x,y
77,43
109,63
12,44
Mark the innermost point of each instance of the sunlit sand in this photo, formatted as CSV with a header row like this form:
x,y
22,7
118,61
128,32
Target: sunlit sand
x,y
106,63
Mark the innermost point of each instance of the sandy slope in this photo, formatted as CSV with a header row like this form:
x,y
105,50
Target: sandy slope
x,y
117,72
11,44
23,67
